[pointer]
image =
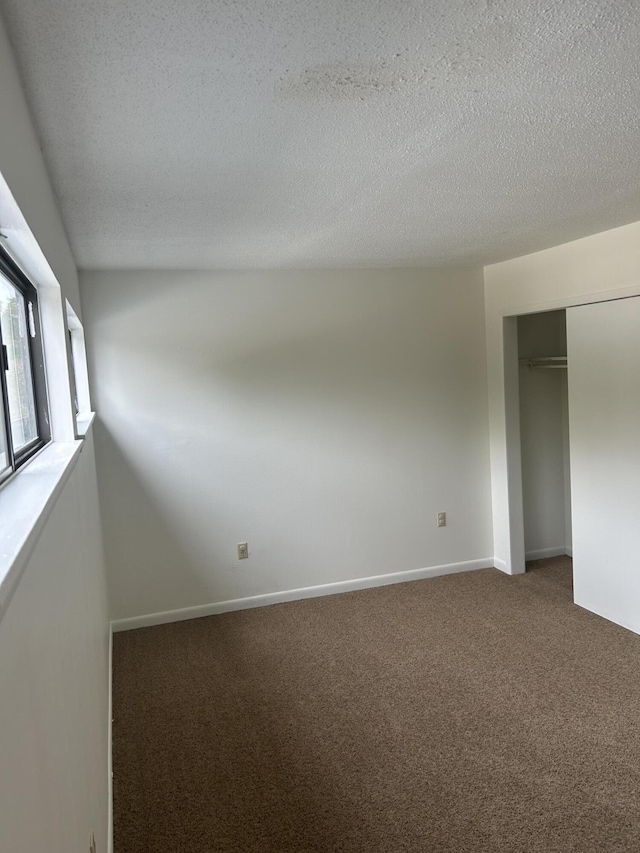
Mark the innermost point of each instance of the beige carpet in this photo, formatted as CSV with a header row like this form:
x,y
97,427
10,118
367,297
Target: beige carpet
x,y
475,712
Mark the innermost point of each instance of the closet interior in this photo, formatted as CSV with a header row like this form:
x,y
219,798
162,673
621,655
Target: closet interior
x,y
544,434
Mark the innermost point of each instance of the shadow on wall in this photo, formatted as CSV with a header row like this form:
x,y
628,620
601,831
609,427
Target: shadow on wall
x,y
137,525
318,416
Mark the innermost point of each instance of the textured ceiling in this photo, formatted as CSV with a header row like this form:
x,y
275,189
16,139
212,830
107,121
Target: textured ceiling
x,y
294,133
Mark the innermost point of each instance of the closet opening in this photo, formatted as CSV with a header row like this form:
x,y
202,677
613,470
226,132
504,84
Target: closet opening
x,y
544,436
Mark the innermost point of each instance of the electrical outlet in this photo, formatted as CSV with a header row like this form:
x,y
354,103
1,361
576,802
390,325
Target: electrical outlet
x,y
442,519
92,843
243,550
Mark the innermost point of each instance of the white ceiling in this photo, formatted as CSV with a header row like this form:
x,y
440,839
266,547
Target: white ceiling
x,y
296,133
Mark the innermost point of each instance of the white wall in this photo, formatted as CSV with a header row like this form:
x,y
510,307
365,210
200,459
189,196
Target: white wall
x,y
325,417
54,632
604,411
604,266
54,683
542,430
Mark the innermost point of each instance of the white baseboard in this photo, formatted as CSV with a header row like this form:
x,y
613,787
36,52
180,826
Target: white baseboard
x,y
501,564
110,750
296,594
568,551
542,553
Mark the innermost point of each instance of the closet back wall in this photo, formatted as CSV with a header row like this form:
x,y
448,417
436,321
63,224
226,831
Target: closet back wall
x,y
544,433
323,416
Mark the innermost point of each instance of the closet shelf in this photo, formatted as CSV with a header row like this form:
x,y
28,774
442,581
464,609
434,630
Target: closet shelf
x,y
552,361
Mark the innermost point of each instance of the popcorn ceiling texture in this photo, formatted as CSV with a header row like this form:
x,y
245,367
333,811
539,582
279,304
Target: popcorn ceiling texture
x,y
293,133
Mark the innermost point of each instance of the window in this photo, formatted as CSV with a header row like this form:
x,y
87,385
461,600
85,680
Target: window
x,y
78,374
24,416
72,377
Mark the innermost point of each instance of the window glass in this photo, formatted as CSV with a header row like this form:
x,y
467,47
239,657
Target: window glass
x,y
72,375
15,331
4,456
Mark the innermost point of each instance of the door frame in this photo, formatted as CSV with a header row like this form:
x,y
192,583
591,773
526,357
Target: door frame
x,y
504,417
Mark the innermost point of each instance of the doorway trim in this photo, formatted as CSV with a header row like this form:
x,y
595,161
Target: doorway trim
x,y
504,415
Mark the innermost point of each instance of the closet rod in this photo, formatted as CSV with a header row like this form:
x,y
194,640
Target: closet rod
x,y
559,362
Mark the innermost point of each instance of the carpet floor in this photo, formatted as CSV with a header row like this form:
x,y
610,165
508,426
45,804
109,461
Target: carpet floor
x,y
469,713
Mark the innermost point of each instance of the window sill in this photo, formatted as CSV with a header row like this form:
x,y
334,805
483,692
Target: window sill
x,y
26,502
83,423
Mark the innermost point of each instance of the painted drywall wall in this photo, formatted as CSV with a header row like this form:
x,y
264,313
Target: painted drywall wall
x,y
542,433
323,416
54,677
604,266
54,632
604,415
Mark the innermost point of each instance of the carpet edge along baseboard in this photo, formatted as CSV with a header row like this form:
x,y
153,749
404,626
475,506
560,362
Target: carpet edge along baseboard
x,y
268,598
